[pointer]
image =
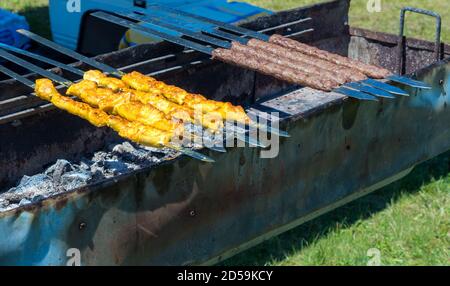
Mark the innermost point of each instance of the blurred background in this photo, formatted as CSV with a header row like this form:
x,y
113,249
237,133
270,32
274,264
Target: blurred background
x,y
36,12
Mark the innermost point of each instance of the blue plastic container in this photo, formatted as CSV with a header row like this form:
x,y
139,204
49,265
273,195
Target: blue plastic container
x,y
65,23
9,23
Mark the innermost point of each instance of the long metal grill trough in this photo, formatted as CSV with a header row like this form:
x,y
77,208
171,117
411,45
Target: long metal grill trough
x,y
121,204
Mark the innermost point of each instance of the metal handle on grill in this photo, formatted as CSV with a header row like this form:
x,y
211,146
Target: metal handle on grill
x,y
401,44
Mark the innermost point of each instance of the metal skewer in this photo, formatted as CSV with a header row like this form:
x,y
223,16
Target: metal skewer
x,y
259,35
198,34
369,89
384,86
183,31
214,30
409,82
34,68
226,36
17,77
71,53
42,59
355,94
154,33
226,26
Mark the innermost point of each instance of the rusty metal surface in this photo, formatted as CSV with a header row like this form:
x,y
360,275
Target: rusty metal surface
x,y
381,49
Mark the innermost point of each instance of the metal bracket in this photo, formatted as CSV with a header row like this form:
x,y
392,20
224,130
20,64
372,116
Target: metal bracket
x,y
402,39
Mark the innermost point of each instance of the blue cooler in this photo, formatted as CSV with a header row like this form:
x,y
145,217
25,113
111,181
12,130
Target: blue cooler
x,y
65,23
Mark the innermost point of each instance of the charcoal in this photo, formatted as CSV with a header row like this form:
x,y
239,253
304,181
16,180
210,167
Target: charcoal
x,y
85,165
116,167
58,169
125,147
75,179
34,184
29,187
37,198
116,159
24,202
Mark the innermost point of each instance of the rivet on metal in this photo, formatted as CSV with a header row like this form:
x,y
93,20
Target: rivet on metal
x,y
82,226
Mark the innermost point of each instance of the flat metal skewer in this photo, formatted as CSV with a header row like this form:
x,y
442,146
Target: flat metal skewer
x,y
17,77
384,86
70,53
34,68
152,32
226,36
226,26
369,89
42,59
186,32
408,81
355,94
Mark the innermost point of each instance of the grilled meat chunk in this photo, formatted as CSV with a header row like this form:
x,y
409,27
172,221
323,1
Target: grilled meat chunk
x,y
209,113
134,131
124,105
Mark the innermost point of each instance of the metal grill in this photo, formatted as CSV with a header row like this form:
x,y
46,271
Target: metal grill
x,y
183,212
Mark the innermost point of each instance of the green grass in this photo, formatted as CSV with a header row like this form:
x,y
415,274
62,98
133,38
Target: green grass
x,y
387,20
408,221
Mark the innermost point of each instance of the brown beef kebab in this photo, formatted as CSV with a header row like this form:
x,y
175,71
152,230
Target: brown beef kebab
x,y
263,65
284,61
369,70
350,74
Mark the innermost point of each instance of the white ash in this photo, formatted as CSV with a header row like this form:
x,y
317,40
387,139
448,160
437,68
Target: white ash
x,y
65,176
